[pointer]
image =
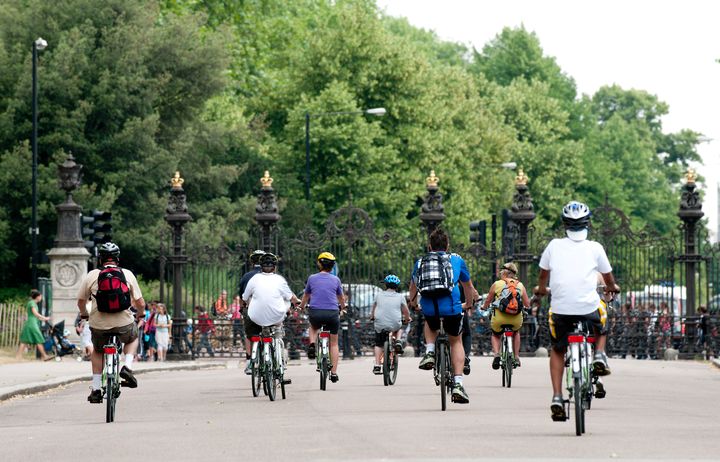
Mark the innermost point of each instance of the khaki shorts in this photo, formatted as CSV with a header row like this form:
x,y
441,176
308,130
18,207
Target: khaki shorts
x,y
500,319
124,334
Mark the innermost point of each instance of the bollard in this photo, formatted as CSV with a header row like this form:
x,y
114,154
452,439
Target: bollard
x,y
671,354
541,352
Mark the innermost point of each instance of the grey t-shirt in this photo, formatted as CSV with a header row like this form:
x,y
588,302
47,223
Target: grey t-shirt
x,y
388,314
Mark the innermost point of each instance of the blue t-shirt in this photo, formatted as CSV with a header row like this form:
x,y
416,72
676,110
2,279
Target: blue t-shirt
x,y
451,304
324,289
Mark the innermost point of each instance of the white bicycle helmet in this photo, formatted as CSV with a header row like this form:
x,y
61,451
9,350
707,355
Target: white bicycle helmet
x,y
576,216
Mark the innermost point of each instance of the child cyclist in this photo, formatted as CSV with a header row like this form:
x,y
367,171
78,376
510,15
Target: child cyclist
x,y
389,312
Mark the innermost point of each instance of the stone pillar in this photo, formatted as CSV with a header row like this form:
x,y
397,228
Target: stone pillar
x,y
690,213
522,214
177,216
68,257
266,214
432,211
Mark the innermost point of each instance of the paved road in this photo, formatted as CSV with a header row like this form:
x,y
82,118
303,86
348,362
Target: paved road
x,y
654,410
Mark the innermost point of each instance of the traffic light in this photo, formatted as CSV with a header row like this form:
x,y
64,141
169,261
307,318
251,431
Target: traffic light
x,y
102,227
478,232
87,231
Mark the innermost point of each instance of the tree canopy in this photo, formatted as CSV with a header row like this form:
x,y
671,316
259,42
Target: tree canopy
x,y
219,90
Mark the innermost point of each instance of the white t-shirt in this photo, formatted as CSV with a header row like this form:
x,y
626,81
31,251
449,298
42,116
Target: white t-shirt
x,y
269,295
573,267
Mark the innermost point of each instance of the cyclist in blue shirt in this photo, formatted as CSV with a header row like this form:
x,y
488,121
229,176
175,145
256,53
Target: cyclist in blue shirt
x,y
450,308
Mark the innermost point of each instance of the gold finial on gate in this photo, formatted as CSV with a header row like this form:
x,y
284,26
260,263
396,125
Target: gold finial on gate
x,y
690,176
432,180
266,180
176,181
521,178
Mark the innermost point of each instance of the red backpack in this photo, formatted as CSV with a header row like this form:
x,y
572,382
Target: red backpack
x,y
113,295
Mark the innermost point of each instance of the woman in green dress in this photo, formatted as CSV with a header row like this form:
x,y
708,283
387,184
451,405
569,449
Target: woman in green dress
x,y
31,334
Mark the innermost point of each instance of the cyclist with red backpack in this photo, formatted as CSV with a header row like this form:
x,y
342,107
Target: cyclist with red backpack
x,y
113,291
507,297
435,278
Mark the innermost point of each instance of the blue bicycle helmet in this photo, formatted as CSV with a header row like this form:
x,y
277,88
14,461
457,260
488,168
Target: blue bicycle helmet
x,y
392,280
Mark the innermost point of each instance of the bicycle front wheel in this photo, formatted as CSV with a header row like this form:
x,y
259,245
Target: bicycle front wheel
x,y
393,366
442,367
579,407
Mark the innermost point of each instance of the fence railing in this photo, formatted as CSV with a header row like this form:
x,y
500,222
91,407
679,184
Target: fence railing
x,y
12,317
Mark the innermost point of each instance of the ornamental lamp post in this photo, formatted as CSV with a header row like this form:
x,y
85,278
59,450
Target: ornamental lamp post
x,y
176,215
690,213
38,45
432,212
522,213
377,111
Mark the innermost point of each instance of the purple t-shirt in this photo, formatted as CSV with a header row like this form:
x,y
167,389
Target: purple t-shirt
x,y
324,289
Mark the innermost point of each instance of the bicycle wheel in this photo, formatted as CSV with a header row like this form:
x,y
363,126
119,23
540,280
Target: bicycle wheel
x,y
323,373
270,381
256,378
509,369
110,400
503,363
393,366
579,410
442,365
386,364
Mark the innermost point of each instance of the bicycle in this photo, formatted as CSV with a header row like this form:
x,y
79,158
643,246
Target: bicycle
x,y
272,363
441,372
390,359
323,356
579,376
507,356
111,377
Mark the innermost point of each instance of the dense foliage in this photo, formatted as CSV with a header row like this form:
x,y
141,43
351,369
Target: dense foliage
x,y
219,90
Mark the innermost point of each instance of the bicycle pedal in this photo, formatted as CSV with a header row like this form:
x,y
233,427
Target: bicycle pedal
x,y
287,381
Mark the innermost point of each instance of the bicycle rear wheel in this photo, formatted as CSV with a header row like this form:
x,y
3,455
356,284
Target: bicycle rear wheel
x,y
442,366
110,400
256,379
270,382
393,366
579,406
386,364
509,369
323,373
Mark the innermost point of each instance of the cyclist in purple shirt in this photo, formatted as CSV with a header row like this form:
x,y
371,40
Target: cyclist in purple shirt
x,y
324,297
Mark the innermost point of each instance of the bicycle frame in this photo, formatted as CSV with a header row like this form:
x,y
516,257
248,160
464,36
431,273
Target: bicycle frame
x,y
324,359
507,356
579,374
443,376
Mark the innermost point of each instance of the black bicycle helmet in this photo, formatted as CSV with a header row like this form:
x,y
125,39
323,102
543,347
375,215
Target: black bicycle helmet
x,y
109,251
576,216
255,257
268,260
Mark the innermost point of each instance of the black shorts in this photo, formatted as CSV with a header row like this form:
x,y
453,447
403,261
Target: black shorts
x,y
124,334
380,338
452,324
251,329
328,318
563,324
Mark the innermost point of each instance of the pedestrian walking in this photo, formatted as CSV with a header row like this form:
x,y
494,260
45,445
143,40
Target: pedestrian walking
x,y
205,327
162,331
31,334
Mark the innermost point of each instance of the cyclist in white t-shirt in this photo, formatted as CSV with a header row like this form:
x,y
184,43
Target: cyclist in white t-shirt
x,y
267,295
571,265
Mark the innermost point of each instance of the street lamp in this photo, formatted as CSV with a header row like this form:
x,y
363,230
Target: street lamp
x,y
38,45
377,111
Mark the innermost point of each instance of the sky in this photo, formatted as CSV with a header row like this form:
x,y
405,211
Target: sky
x,y
667,48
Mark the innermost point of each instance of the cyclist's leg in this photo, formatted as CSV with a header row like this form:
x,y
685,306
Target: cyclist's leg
x,y
334,352
128,336
380,338
430,329
496,329
98,338
560,325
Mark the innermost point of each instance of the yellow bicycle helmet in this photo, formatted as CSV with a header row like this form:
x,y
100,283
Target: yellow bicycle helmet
x,y
326,256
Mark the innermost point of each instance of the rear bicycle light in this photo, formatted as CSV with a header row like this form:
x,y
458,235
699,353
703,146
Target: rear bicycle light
x,y
575,338
591,339
267,339
254,339
509,333
110,350
324,334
